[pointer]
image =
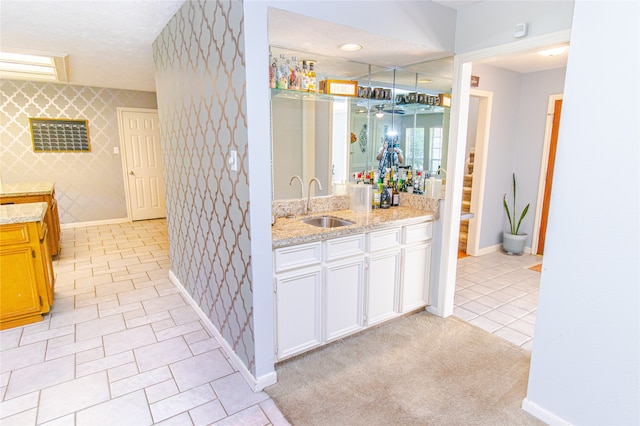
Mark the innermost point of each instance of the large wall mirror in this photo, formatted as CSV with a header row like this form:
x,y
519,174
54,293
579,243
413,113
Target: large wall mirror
x,y
334,137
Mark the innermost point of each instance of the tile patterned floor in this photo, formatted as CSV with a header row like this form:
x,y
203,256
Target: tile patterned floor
x,y
499,294
121,345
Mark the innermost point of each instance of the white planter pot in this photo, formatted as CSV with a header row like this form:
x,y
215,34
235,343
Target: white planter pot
x,y
513,244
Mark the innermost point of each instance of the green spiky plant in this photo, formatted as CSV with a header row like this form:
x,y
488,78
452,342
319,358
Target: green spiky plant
x,y
513,227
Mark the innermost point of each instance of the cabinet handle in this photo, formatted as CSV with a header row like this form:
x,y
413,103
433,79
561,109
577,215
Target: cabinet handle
x,y
131,173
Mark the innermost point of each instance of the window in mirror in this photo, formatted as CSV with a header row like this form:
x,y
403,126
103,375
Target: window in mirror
x,y
435,139
415,147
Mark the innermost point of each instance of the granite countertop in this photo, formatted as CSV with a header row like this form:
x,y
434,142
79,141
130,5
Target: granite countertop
x,y
26,188
286,232
22,213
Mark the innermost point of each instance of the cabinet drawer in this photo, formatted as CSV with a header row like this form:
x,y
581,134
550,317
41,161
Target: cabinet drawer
x,y
418,232
380,240
297,256
343,247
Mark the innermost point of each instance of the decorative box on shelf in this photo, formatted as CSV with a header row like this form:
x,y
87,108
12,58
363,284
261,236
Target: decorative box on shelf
x,y
339,87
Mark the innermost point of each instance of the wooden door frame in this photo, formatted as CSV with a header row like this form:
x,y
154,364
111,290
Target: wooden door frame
x,y
535,236
123,152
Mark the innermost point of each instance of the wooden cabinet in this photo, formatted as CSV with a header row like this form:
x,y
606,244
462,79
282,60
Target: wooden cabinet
x,y
33,193
27,280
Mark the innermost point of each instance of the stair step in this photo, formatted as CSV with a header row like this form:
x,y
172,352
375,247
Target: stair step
x,y
468,180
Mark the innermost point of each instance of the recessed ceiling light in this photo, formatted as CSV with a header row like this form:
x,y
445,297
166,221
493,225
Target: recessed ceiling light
x,y
553,52
350,47
27,66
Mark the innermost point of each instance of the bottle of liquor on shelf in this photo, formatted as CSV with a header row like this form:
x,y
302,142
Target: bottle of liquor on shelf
x,y
282,81
304,78
272,71
312,77
294,74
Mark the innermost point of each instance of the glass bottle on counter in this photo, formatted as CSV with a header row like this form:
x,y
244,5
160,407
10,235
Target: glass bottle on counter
x,y
385,198
395,196
377,195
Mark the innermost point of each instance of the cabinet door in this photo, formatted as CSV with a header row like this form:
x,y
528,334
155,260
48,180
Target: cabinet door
x,y
383,277
19,291
416,269
343,297
298,309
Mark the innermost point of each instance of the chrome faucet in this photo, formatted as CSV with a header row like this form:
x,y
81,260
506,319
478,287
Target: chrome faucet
x,y
294,177
308,208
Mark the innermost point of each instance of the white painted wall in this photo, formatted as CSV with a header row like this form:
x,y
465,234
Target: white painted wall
x,y
585,366
492,23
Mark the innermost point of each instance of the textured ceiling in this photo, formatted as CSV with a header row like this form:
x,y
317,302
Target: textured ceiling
x,y
109,42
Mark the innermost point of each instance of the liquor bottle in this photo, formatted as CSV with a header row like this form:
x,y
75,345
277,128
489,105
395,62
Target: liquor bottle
x,y
283,74
294,74
304,78
417,183
395,196
312,78
272,71
385,198
377,195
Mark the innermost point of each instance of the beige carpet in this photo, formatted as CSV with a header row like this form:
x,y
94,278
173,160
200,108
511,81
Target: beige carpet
x,y
419,370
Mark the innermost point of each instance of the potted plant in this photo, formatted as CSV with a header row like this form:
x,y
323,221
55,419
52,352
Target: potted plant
x,y
513,241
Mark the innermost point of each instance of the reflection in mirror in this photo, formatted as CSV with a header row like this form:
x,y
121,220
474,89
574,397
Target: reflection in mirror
x,y
333,137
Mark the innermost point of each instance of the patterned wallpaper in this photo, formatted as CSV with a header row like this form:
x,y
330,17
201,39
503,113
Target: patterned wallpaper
x,y
200,82
89,185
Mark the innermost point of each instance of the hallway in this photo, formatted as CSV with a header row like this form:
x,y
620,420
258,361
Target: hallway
x,y
499,293
121,345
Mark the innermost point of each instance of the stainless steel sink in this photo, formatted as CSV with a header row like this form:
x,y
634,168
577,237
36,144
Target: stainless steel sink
x,y
326,221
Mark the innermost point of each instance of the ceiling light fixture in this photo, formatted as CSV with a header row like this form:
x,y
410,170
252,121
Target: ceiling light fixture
x,y
553,52
349,47
27,66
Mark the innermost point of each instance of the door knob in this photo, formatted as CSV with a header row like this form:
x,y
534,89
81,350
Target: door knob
x,y
131,173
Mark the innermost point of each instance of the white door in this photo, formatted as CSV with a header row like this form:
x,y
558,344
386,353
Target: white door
x,y
142,163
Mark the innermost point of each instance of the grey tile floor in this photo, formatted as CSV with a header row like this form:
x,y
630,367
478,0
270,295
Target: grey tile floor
x,y
121,345
499,293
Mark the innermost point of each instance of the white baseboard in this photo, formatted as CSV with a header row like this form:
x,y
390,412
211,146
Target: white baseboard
x,y
542,414
497,247
490,249
257,384
94,223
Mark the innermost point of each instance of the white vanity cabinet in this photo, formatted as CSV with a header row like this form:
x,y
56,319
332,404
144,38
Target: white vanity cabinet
x,y
329,289
383,274
298,298
416,266
343,286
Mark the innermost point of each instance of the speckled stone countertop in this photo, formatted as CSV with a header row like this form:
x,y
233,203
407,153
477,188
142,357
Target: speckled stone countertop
x,y
26,188
291,231
22,213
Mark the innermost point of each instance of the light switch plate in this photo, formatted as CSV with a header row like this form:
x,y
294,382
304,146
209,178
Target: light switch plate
x,y
116,150
233,161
